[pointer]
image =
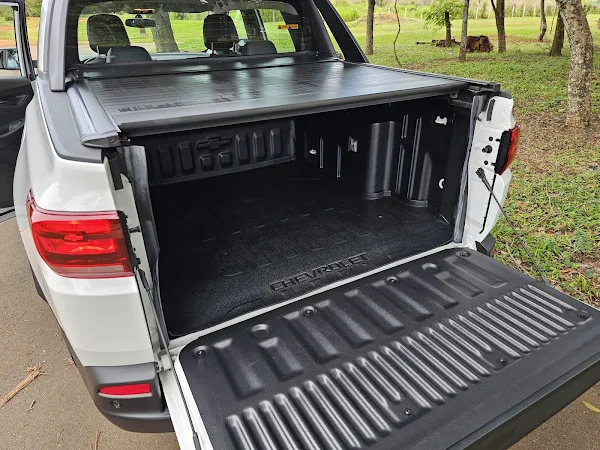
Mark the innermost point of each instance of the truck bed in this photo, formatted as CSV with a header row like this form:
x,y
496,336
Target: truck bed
x,y
453,350
202,95
240,242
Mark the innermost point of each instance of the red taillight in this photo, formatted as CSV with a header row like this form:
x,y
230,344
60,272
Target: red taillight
x,y
508,149
80,245
126,389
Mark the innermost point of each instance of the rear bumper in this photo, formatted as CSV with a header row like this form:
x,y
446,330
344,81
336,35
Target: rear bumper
x,y
147,422
142,415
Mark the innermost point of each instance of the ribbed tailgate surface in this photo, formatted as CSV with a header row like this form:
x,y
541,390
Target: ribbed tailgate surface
x,y
420,356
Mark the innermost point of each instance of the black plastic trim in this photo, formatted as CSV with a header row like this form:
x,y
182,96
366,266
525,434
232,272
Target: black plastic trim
x,y
115,166
148,414
345,39
63,133
518,422
486,246
502,151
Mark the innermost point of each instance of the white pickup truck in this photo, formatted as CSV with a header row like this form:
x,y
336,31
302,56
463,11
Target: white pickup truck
x,y
251,235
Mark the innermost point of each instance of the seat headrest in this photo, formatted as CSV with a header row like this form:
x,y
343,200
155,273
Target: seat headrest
x,y
106,31
219,32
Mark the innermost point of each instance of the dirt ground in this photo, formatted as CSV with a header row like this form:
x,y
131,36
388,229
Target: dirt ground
x,y
55,410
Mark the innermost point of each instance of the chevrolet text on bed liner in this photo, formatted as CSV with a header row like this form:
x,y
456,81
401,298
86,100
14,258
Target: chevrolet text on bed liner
x,y
261,243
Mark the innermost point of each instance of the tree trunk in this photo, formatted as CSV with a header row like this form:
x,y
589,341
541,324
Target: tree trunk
x,y
448,29
559,37
579,107
162,33
543,24
370,21
462,55
499,16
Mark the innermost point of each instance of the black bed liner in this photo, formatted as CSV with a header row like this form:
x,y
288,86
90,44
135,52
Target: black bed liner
x,y
233,244
451,350
156,103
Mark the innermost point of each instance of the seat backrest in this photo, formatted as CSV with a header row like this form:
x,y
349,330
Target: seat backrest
x,y
219,32
106,31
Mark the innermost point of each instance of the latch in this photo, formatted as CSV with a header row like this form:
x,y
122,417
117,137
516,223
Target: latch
x,y
214,143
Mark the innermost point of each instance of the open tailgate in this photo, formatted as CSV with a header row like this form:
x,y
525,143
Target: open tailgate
x,y
450,350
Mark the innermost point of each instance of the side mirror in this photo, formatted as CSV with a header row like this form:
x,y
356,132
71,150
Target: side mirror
x,y
140,22
9,59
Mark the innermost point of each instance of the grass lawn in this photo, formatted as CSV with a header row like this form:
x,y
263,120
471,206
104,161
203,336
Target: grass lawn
x,y
555,194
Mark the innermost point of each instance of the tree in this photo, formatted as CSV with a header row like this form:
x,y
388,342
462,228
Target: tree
x,y
579,105
33,8
441,13
162,33
498,8
559,37
462,55
543,24
370,23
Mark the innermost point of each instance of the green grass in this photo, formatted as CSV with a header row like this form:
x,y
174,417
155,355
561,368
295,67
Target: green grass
x,y
555,194
558,212
537,82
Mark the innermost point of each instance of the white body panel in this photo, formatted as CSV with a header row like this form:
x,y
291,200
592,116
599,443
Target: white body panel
x,y
103,319
482,210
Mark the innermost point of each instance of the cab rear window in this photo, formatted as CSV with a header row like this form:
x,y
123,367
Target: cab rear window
x,y
123,32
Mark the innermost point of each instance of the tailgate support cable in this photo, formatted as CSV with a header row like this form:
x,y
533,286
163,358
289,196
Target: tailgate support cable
x,y
163,342
481,174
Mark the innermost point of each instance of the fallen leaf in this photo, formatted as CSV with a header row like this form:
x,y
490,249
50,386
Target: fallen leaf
x,y
591,407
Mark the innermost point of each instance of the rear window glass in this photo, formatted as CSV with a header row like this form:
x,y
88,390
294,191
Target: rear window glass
x,y
111,32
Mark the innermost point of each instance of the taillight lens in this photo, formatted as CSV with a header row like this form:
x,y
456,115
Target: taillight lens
x,y
80,245
126,389
508,149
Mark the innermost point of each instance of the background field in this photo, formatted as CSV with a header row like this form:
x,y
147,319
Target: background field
x,y
555,194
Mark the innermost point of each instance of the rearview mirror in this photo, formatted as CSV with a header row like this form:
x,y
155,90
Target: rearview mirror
x,y
9,59
140,22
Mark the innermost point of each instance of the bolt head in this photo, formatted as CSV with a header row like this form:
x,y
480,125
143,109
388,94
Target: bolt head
x,y
408,412
308,311
261,331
